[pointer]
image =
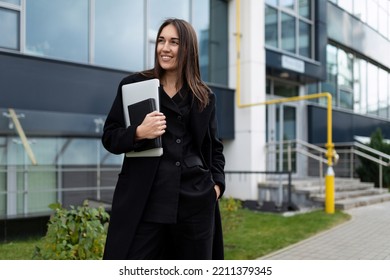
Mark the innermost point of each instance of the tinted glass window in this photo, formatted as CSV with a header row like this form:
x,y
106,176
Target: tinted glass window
x,y
288,33
16,2
57,29
119,34
9,29
271,26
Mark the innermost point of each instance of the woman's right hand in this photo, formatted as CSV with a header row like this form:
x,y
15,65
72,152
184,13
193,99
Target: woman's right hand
x,y
153,126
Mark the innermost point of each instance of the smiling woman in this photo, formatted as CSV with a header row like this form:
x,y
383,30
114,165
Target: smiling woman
x,y
167,207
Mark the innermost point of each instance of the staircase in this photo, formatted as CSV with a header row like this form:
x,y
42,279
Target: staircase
x,y
349,193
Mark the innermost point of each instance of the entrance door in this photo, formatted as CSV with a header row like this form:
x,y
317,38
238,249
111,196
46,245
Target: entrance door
x,y
281,125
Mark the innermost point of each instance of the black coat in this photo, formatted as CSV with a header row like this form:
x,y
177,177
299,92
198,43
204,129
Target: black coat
x,y
136,177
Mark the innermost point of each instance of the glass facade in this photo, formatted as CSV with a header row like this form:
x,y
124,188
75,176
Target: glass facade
x,y
376,13
97,32
289,26
58,29
118,35
10,24
9,20
66,167
355,83
119,42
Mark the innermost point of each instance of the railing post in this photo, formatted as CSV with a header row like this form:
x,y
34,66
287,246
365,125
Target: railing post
x,y
352,162
321,168
289,157
380,174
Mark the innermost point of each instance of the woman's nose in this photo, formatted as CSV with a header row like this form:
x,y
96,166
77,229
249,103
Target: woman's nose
x,y
166,47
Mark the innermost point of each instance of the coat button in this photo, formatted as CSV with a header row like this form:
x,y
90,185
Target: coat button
x,y
178,141
179,118
177,163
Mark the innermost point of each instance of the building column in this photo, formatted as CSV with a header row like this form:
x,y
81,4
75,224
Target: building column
x,y
247,151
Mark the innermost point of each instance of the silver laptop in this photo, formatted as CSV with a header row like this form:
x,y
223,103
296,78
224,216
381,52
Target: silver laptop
x,y
136,92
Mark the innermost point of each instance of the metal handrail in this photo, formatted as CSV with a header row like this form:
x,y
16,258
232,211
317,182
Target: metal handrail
x,y
304,152
353,150
371,150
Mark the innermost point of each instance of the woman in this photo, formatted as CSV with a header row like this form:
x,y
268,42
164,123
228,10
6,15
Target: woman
x,y
166,207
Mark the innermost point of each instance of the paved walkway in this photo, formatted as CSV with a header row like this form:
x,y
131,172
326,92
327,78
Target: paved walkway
x,y
365,237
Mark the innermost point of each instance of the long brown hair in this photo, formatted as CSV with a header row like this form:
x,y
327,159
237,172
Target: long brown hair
x,y
188,61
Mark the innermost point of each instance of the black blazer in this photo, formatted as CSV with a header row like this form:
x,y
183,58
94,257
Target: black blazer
x,y
137,174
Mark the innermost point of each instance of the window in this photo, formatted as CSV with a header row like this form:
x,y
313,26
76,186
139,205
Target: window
x,y
331,69
201,24
119,34
16,2
285,90
305,9
289,124
344,61
383,93
58,29
355,83
362,78
64,173
10,24
288,33
9,29
160,10
304,39
375,13
289,4
372,89
359,85
289,26
271,27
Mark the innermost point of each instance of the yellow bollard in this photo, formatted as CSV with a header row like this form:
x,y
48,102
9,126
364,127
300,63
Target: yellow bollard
x,y
329,191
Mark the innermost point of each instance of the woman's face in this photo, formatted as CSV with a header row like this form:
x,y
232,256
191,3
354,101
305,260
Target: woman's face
x,y
168,48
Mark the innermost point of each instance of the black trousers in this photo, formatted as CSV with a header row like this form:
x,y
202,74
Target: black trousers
x,y
191,238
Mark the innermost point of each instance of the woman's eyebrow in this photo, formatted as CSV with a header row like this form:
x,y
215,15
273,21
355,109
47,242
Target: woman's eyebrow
x,y
173,38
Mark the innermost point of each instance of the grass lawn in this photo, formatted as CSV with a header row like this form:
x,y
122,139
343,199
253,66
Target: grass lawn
x,y
247,234
19,249
257,234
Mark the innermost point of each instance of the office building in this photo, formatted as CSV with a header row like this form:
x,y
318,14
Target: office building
x,y
61,62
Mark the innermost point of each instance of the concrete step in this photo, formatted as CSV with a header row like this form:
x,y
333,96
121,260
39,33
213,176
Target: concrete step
x,y
345,204
308,192
350,194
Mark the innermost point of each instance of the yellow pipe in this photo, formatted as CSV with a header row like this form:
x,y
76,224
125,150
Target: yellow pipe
x,y
238,51
329,179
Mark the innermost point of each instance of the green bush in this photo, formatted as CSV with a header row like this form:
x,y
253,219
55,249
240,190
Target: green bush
x,y
75,234
368,171
229,213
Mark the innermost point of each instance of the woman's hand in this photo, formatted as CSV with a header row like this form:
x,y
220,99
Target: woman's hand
x,y
153,126
217,191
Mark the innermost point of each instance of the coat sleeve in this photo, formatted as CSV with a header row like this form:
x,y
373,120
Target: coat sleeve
x,y
216,150
116,138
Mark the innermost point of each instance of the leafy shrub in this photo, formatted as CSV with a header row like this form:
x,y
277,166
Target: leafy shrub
x,y
75,234
229,213
368,171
